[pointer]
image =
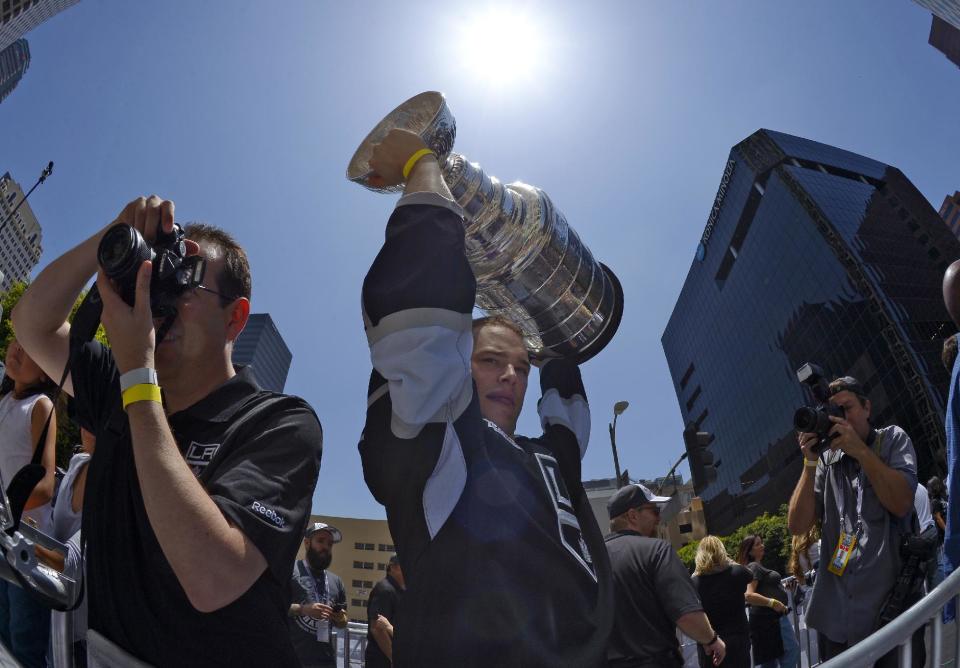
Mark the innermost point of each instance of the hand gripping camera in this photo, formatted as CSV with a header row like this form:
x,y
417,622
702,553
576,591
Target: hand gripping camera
x,y
816,420
122,250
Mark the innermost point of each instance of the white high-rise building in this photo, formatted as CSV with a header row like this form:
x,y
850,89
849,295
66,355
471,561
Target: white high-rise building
x,y
20,236
18,17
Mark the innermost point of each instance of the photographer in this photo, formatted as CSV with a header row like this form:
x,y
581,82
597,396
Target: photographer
x,y
194,504
859,488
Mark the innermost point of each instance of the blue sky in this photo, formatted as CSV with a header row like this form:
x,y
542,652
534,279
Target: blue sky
x,y
246,113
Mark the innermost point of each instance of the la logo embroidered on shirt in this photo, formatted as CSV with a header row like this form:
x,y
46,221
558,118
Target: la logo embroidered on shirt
x,y
199,455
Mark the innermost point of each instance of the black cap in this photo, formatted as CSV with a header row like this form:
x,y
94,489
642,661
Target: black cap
x,y
632,496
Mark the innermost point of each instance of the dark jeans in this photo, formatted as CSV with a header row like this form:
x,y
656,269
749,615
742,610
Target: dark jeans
x,y
830,649
24,625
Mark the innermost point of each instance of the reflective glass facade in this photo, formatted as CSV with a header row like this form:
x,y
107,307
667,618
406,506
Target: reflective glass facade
x,y
262,348
810,253
14,61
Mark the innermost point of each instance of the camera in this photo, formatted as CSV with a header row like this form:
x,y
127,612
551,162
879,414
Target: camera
x,y
816,420
123,249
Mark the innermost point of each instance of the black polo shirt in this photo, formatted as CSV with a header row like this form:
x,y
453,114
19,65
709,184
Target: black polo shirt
x,y
384,600
652,590
257,453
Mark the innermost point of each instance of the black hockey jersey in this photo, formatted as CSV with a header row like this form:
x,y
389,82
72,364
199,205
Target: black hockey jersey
x,y
501,553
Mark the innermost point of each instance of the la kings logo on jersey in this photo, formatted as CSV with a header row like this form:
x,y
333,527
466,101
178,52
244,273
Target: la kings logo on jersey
x,y
198,455
570,534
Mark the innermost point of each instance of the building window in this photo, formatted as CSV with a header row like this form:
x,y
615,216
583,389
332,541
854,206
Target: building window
x,y
358,603
364,565
363,546
381,567
386,548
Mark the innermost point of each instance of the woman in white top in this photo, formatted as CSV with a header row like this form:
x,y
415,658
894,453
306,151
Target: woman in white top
x,y
24,408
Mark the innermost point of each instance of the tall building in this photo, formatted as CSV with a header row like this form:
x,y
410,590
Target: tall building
x,y
261,346
950,212
948,10
945,38
810,254
18,17
20,235
360,560
14,61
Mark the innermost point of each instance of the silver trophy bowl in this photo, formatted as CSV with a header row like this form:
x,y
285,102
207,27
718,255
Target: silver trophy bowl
x,y
530,265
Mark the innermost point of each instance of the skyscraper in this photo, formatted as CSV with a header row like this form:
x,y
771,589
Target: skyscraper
x,y
18,17
14,61
950,212
945,38
948,10
261,346
20,236
810,253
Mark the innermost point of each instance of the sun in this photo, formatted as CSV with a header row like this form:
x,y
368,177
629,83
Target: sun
x,y
500,46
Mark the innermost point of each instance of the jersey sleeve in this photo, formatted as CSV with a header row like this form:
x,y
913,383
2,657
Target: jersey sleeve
x,y
265,485
417,309
564,416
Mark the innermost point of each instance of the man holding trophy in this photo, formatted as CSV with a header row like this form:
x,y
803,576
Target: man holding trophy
x,y
503,559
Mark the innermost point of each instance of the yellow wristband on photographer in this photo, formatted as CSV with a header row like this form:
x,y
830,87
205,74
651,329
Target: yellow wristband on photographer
x,y
141,392
413,160
810,463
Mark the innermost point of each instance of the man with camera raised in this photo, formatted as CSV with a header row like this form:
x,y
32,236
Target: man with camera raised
x,y
502,556
859,482
196,497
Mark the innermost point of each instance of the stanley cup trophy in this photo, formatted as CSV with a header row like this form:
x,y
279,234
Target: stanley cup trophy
x,y
530,265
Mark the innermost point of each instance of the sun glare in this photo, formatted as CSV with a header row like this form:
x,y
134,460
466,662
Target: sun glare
x,y
500,46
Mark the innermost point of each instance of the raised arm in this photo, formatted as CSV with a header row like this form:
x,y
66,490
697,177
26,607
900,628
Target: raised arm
x,y
40,317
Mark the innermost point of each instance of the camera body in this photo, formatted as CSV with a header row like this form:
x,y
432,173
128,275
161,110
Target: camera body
x,y
123,249
816,419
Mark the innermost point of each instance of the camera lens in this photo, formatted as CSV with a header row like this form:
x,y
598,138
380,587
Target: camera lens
x,y
122,250
805,419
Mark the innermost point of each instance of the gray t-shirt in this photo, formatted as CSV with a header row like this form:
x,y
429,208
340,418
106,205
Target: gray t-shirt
x,y
845,608
311,637
652,590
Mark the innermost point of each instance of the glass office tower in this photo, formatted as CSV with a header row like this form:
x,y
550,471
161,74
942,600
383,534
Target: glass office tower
x,y
261,346
810,253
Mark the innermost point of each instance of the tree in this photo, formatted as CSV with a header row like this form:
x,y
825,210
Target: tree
x,y
771,528
68,434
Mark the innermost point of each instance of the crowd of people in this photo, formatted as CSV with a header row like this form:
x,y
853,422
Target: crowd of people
x,y
188,505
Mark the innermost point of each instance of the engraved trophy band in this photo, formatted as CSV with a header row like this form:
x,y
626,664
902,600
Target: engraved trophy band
x,y
530,265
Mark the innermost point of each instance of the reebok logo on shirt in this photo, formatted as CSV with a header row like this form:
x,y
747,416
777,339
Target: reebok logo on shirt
x,y
269,513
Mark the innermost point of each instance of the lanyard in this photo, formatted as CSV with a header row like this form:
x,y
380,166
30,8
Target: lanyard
x,y
318,591
842,499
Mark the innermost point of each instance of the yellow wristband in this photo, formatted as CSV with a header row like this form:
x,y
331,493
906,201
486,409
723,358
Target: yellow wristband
x,y
141,392
413,160
812,463
772,602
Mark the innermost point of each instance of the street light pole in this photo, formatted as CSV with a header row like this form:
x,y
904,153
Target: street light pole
x,y
48,170
670,473
618,409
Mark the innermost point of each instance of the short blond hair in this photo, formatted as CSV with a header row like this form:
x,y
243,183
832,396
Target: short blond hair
x,y
711,556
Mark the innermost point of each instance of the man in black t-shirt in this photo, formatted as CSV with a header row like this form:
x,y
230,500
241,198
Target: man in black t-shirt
x,y
502,556
382,608
195,505
653,592
319,598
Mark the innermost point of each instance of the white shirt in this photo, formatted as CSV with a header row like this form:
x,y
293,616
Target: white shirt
x,y
921,501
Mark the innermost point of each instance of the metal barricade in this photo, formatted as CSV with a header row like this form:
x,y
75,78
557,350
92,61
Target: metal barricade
x,y
350,645
899,632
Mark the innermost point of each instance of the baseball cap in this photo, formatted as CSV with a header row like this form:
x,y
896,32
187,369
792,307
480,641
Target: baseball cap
x,y
633,496
314,527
